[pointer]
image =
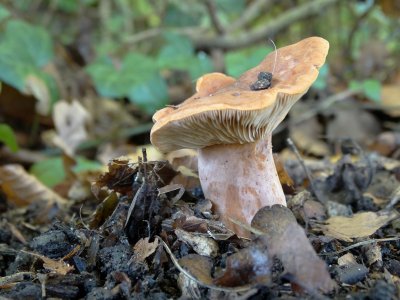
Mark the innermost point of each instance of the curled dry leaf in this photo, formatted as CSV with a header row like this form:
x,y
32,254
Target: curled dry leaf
x,y
359,225
287,241
23,189
143,249
122,171
201,244
70,121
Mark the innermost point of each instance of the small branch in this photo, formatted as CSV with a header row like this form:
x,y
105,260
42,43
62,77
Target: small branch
x,y
252,12
395,199
300,159
363,243
212,11
269,29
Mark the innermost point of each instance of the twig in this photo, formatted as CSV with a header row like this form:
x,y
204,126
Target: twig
x,y
247,227
363,243
394,200
283,21
242,288
21,276
212,11
252,12
303,165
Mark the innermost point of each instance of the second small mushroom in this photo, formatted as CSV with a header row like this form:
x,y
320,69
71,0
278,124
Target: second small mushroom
x,y
231,124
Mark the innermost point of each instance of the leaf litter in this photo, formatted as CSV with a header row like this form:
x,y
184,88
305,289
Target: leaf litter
x,y
142,235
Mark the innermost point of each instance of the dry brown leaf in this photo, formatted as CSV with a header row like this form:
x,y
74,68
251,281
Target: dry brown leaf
x,y
248,266
55,266
301,263
198,266
143,249
70,121
286,182
359,225
287,241
201,244
23,189
390,99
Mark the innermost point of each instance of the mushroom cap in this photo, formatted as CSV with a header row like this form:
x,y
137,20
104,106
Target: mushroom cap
x,y
226,111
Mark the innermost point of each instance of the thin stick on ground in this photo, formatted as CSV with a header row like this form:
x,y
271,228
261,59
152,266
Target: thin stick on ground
x,y
303,165
363,243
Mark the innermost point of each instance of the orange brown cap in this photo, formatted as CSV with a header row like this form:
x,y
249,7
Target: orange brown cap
x,y
228,111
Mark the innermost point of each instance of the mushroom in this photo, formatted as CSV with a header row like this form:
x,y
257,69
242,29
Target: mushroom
x,y
231,121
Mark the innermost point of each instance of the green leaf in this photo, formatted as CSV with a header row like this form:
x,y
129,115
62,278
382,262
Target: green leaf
x,y
29,43
4,13
373,89
51,171
200,65
7,136
320,83
183,14
240,61
24,50
178,54
150,95
138,78
370,88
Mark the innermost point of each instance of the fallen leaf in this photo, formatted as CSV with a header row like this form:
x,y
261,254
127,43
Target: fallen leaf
x,y
248,266
359,225
198,266
287,241
286,182
23,189
143,249
70,121
390,99
55,266
201,244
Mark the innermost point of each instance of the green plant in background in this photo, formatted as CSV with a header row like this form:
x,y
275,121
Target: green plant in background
x,y
24,52
51,171
239,61
7,137
138,76
370,88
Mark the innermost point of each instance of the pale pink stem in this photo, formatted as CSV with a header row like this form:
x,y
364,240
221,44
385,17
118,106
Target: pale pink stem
x,y
239,180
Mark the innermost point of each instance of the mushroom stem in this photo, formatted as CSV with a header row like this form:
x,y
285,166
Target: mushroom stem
x,y
240,179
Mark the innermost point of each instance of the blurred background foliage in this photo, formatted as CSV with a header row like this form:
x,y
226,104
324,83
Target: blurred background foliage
x,y
146,54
